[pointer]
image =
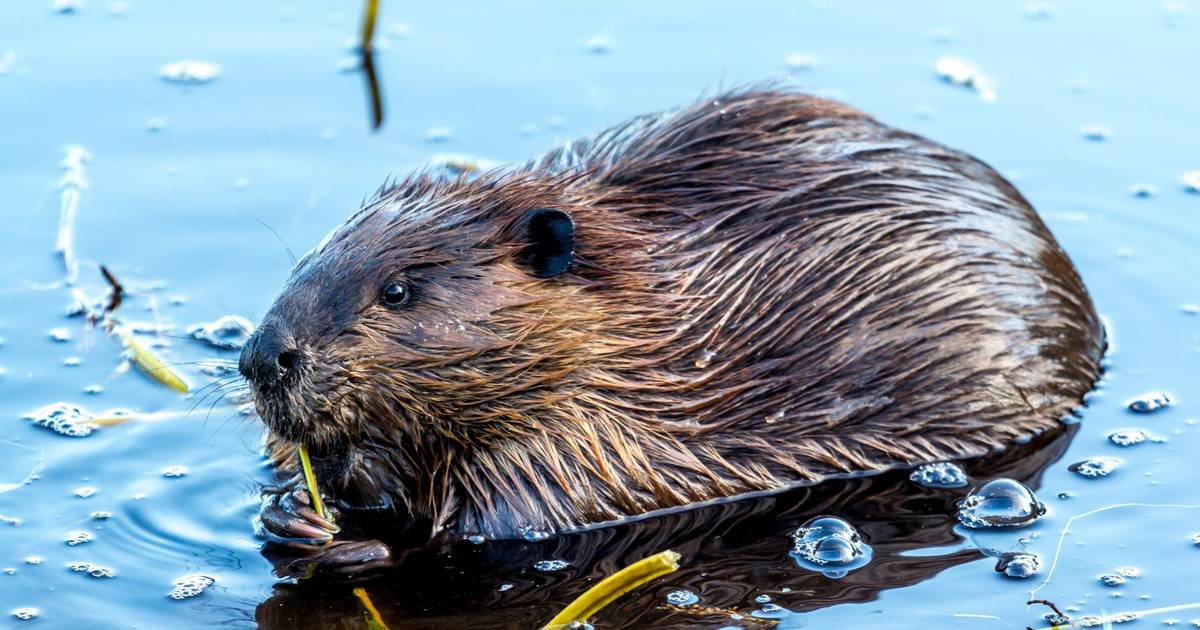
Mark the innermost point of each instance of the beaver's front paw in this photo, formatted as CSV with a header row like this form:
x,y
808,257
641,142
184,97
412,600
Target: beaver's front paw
x,y
287,518
343,558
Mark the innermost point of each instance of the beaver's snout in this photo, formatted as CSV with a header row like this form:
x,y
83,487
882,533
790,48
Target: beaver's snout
x,y
269,357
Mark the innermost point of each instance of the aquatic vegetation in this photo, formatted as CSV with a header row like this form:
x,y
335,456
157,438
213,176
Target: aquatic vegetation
x,y
149,363
614,586
310,478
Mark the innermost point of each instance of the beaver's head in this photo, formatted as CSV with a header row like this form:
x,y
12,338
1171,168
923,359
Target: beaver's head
x,y
416,321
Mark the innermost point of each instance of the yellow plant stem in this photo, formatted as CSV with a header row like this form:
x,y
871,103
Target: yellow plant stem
x,y
150,364
375,620
614,586
370,13
310,479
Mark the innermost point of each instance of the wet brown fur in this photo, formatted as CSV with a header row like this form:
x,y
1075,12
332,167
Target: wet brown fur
x,y
768,288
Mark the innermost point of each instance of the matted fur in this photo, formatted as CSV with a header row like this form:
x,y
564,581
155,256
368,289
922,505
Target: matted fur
x,y
768,288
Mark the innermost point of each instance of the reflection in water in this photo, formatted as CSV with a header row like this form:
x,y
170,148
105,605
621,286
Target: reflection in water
x,y
732,553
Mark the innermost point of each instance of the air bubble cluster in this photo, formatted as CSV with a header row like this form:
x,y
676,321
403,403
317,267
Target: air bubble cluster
x,y
1095,467
939,475
190,586
831,546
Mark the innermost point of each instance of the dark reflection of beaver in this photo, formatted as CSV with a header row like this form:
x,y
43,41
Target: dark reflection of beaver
x,y
732,553
751,293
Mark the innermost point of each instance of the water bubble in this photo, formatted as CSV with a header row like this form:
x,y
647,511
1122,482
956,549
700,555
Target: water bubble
x,y
25,614
1191,181
533,535
84,492
1149,402
1000,503
439,134
174,472
93,390
61,335
682,597
100,516
78,538
1018,564
1112,579
1143,191
800,62
771,608
1038,10
1094,467
72,362
64,419
156,124
546,566
762,599
190,586
829,545
504,587
33,561
1190,309
1128,437
939,475
93,570
189,72
476,539
228,332
959,71
1097,133
599,44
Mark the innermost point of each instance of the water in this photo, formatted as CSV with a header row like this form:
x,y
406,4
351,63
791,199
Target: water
x,y
173,182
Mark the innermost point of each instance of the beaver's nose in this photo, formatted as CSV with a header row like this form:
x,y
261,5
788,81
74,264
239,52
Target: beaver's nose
x,y
267,357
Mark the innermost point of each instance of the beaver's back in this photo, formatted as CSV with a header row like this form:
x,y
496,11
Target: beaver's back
x,y
862,296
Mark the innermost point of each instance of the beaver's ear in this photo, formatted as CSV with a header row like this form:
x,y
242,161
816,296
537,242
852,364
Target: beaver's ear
x,y
550,242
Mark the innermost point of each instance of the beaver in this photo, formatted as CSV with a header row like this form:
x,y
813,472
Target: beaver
x,y
759,290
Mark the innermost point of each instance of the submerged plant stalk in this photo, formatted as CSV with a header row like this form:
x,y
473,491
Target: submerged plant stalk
x,y
614,586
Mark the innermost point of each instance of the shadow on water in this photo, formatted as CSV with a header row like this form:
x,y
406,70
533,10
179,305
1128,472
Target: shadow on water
x,y
732,552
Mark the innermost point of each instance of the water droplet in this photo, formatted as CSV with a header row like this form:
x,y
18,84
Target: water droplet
x,y
800,62
1018,564
78,538
599,44
189,72
25,614
1128,437
1097,133
939,475
546,566
682,597
1149,402
228,332
174,472
1094,467
61,335
190,586
829,545
999,503
705,358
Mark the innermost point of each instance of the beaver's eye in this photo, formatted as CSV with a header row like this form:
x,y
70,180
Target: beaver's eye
x,y
395,294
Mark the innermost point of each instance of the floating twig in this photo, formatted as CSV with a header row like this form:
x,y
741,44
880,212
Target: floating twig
x,y
1106,621
116,291
614,586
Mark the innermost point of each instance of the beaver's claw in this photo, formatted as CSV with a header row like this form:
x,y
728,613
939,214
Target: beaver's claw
x,y
286,519
345,558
